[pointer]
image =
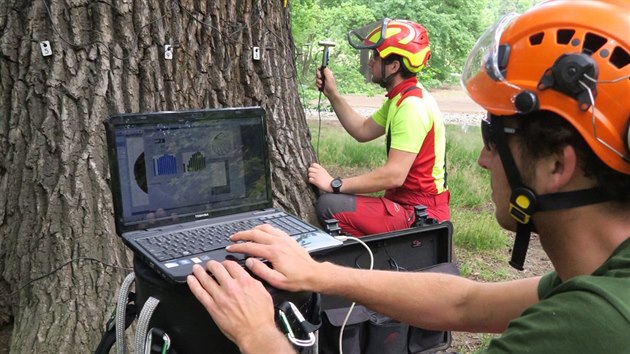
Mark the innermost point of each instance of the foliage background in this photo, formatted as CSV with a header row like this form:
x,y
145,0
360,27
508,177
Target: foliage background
x,y
453,27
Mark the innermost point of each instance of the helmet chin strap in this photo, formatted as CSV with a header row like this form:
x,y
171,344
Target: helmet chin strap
x,y
385,81
524,202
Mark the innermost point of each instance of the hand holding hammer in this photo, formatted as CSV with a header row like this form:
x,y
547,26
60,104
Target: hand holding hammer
x,y
327,45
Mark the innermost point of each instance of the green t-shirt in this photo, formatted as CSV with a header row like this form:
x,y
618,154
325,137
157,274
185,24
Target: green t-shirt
x,y
586,314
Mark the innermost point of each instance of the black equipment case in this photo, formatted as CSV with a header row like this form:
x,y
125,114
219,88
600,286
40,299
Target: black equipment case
x,y
188,324
423,248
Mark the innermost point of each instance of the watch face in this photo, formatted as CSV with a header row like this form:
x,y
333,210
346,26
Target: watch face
x,y
336,183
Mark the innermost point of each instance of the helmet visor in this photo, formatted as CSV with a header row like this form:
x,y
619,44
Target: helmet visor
x,y
369,36
485,70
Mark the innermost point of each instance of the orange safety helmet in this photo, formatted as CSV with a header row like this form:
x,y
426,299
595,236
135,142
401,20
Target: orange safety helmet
x,y
571,57
402,37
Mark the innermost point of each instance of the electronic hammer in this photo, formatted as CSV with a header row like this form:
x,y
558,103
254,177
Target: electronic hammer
x,y
327,45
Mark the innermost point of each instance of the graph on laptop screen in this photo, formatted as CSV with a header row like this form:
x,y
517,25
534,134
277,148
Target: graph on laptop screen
x,y
184,167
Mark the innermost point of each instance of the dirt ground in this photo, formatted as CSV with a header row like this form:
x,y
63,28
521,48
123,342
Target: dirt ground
x,y
450,101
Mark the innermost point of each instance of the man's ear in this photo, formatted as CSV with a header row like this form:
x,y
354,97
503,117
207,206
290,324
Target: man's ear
x,y
395,66
561,168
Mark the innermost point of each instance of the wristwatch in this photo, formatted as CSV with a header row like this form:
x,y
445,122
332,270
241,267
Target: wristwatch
x,y
335,184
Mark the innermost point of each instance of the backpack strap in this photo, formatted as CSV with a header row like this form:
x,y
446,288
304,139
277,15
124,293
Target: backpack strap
x,y
414,91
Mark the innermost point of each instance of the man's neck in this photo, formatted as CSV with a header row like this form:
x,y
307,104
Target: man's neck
x,y
399,84
580,240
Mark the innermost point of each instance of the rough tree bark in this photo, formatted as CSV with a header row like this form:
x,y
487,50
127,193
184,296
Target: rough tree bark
x,y
58,246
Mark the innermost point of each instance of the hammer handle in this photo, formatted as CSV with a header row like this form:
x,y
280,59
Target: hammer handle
x,y
324,65
321,71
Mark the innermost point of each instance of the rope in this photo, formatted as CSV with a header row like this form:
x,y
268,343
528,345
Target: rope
x,y
120,313
143,323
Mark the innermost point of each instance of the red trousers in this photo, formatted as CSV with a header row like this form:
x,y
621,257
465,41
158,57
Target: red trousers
x,y
360,215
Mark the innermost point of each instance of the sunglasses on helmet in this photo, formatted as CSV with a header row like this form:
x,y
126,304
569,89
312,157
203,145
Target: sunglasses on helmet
x,y
489,133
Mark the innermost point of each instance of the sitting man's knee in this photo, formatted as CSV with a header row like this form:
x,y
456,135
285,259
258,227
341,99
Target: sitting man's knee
x,y
324,204
329,204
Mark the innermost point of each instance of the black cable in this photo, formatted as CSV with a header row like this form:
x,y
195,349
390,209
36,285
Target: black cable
x,y
319,111
62,266
241,27
319,125
238,27
392,261
228,23
97,42
135,35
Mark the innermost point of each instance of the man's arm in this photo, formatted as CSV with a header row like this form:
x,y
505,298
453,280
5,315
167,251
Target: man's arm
x,y
431,300
359,127
391,175
426,300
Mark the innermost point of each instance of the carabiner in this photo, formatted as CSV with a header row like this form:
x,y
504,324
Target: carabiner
x,y
289,331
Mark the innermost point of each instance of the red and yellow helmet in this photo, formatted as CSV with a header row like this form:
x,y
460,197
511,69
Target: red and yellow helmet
x,y
571,57
402,37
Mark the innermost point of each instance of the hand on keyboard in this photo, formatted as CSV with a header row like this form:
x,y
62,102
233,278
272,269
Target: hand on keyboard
x,y
292,264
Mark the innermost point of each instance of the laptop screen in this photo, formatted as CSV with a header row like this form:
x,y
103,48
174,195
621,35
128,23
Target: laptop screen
x,y
172,167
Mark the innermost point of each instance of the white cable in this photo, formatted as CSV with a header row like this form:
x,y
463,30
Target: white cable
x,y
607,81
593,122
345,321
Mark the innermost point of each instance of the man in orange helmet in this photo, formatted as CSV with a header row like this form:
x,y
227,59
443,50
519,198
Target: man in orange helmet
x,y
415,171
555,82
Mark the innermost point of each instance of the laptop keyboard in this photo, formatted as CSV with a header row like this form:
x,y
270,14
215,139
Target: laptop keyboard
x,y
208,238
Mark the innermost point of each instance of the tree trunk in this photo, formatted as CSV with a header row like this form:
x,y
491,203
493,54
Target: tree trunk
x,y
61,263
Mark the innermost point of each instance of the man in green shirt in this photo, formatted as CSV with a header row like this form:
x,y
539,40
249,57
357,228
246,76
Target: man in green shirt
x,y
555,82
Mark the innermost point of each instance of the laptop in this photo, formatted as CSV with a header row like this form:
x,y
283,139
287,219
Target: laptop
x,y
182,182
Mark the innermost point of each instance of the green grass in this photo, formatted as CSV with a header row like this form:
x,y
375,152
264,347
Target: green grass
x,y
477,237
468,182
477,230
338,148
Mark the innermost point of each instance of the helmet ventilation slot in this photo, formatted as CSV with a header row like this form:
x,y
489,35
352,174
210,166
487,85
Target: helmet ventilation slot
x,y
592,43
537,38
619,58
564,36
